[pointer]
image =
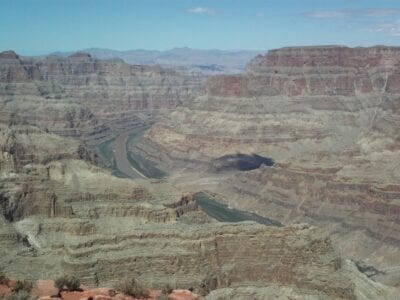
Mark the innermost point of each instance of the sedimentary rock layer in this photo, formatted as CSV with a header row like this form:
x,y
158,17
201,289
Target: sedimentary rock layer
x,y
328,117
83,97
62,214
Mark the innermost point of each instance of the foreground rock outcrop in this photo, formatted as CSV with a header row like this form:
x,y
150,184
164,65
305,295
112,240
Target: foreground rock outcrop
x,y
45,290
328,117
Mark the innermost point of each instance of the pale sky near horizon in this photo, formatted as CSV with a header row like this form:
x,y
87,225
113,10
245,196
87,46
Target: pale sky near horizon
x,y
34,27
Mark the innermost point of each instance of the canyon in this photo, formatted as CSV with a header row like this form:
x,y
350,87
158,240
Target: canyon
x,y
183,58
102,164
87,98
328,117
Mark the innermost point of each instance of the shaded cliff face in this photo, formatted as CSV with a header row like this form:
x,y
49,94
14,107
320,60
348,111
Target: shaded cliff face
x,y
328,117
84,97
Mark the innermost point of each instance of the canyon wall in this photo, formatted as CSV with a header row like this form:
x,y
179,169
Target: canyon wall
x,y
328,117
60,213
82,97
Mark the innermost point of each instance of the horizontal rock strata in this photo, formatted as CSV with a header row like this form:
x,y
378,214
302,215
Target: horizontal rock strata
x,y
83,97
327,116
60,213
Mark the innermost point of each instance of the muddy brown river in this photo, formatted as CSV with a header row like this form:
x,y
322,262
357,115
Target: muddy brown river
x,y
121,157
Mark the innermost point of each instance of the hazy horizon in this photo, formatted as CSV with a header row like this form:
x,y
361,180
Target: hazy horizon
x,y
28,53
44,26
69,52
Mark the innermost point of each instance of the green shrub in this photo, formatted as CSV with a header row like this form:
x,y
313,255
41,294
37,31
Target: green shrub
x,y
162,297
4,280
167,289
70,283
73,284
20,295
21,286
60,283
133,288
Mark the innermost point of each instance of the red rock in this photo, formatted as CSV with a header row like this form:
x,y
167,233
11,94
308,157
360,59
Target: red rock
x,y
4,289
102,297
49,298
328,71
328,56
183,295
103,294
45,288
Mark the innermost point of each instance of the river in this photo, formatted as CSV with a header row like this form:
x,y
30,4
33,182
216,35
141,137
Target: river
x,y
128,164
121,157
223,213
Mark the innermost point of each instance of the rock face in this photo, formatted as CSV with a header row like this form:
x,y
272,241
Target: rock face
x,y
49,188
315,71
84,97
363,289
328,117
60,213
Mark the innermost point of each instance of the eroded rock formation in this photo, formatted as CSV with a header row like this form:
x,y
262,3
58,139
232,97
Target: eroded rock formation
x,y
64,215
328,117
60,213
83,97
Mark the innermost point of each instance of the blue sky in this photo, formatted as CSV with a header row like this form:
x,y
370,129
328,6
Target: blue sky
x,y
39,26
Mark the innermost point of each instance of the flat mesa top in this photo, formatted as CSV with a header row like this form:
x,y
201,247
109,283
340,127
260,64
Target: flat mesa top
x,y
334,47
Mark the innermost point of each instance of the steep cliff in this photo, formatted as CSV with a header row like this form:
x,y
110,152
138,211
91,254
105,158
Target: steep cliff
x,y
83,97
328,117
61,213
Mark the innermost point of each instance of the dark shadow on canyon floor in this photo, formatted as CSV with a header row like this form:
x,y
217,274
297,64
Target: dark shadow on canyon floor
x,y
240,162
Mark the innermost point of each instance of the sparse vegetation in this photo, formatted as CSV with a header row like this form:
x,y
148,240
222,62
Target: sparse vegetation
x,y
20,295
73,284
20,291
133,288
69,283
167,289
60,283
22,286
4,280
209,283
162,297
112,293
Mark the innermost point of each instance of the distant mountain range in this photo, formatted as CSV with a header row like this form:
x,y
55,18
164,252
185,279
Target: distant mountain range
x,y
206,61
